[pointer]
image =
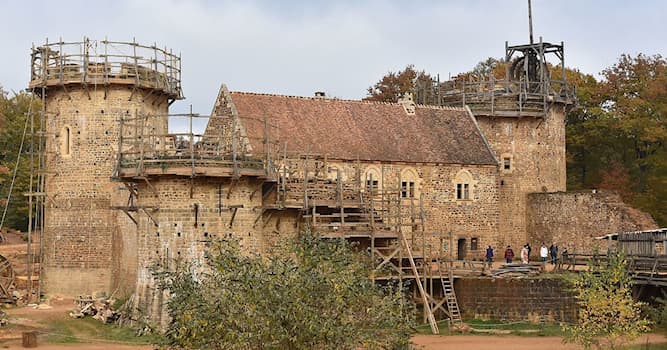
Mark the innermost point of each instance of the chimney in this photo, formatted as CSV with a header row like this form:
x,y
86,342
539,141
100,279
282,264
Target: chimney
x,y
408,103
320,94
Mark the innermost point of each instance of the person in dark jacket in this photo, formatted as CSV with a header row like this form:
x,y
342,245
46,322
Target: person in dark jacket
x,y
553,250
509,254
489,256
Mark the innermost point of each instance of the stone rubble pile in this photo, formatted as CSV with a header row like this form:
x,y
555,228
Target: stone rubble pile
x,y
98,308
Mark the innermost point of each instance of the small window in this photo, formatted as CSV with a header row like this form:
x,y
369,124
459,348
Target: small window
x,y
409,182
407,189
66,141
506,163
474,243
372,180
462,191
372,185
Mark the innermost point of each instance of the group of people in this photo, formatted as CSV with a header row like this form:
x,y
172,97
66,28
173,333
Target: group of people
x,y
550,254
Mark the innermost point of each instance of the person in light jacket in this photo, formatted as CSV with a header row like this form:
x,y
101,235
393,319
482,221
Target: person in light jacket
x,y
544,253
524,255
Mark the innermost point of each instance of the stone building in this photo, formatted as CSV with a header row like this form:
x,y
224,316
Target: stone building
x,y
483,165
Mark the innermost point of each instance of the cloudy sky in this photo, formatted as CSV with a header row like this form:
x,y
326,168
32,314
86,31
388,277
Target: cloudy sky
x,y
341,47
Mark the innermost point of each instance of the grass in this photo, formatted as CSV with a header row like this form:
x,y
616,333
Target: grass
x,y
67,330
511,328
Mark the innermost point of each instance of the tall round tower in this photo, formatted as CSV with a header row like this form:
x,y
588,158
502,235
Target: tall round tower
x,y
87,88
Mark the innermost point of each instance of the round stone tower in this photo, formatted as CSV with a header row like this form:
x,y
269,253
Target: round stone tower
x,y
87,88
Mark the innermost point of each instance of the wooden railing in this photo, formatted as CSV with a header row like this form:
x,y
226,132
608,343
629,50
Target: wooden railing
x,y
106,62
506,98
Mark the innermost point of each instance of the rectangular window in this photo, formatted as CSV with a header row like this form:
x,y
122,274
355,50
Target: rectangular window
x,y
507,163
462,191
371,185
473,243
407,189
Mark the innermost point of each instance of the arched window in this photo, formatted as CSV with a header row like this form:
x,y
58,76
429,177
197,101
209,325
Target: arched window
x,y
409,183
66,147
372,179
464,183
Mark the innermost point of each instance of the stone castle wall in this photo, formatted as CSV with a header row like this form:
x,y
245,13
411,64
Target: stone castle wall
x,y
88,247
573,219
536,149
187,222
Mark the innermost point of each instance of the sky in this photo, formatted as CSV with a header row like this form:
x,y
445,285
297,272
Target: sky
x,y
340,47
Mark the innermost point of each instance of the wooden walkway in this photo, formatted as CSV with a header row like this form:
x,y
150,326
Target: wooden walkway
x,y
644,270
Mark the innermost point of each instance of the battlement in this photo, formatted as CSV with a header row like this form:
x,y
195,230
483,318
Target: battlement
x,y
106,63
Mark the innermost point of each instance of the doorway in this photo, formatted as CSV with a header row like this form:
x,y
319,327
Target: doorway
x,y
461,249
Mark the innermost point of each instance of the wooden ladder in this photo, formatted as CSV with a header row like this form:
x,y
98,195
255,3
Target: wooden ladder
x,y
422,292
450,296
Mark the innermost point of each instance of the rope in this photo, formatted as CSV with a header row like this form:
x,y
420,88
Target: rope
x,y
18,161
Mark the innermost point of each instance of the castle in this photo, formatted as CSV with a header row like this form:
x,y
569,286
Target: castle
x,y
122,191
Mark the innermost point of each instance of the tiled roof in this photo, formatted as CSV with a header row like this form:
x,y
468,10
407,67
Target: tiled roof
x,y
345,129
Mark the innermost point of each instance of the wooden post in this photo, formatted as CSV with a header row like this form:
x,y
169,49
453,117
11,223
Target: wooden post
x,y
29,339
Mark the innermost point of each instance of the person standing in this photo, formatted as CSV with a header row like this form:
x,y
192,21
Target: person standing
x,y
544,252
529,250
524,255
554,253
489,256
509,254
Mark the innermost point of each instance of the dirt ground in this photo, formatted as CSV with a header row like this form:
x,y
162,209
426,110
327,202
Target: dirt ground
x,y
28,318
481,342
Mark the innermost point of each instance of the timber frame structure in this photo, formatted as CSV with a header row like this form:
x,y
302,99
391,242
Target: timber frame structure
x,y
527,90
386,224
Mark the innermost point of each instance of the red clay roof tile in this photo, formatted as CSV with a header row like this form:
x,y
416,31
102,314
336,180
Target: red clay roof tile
x,y
345,129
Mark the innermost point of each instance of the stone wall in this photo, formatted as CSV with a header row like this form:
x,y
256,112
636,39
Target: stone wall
x,y
536,149
572,219
189,215
88,247
532,299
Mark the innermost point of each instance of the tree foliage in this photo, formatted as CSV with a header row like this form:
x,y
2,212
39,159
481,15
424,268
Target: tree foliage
x,y
484,70
617,139
394,85
311,294
608,316
13,115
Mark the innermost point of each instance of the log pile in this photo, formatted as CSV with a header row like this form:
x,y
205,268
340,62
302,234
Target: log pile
x,y
98,308
516,270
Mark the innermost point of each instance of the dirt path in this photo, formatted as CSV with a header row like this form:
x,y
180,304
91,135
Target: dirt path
x,y
480,342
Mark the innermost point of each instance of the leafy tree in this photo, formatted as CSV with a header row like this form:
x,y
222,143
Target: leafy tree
x,y
394,85
13,114
608,316
621,128
310,294
483,70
